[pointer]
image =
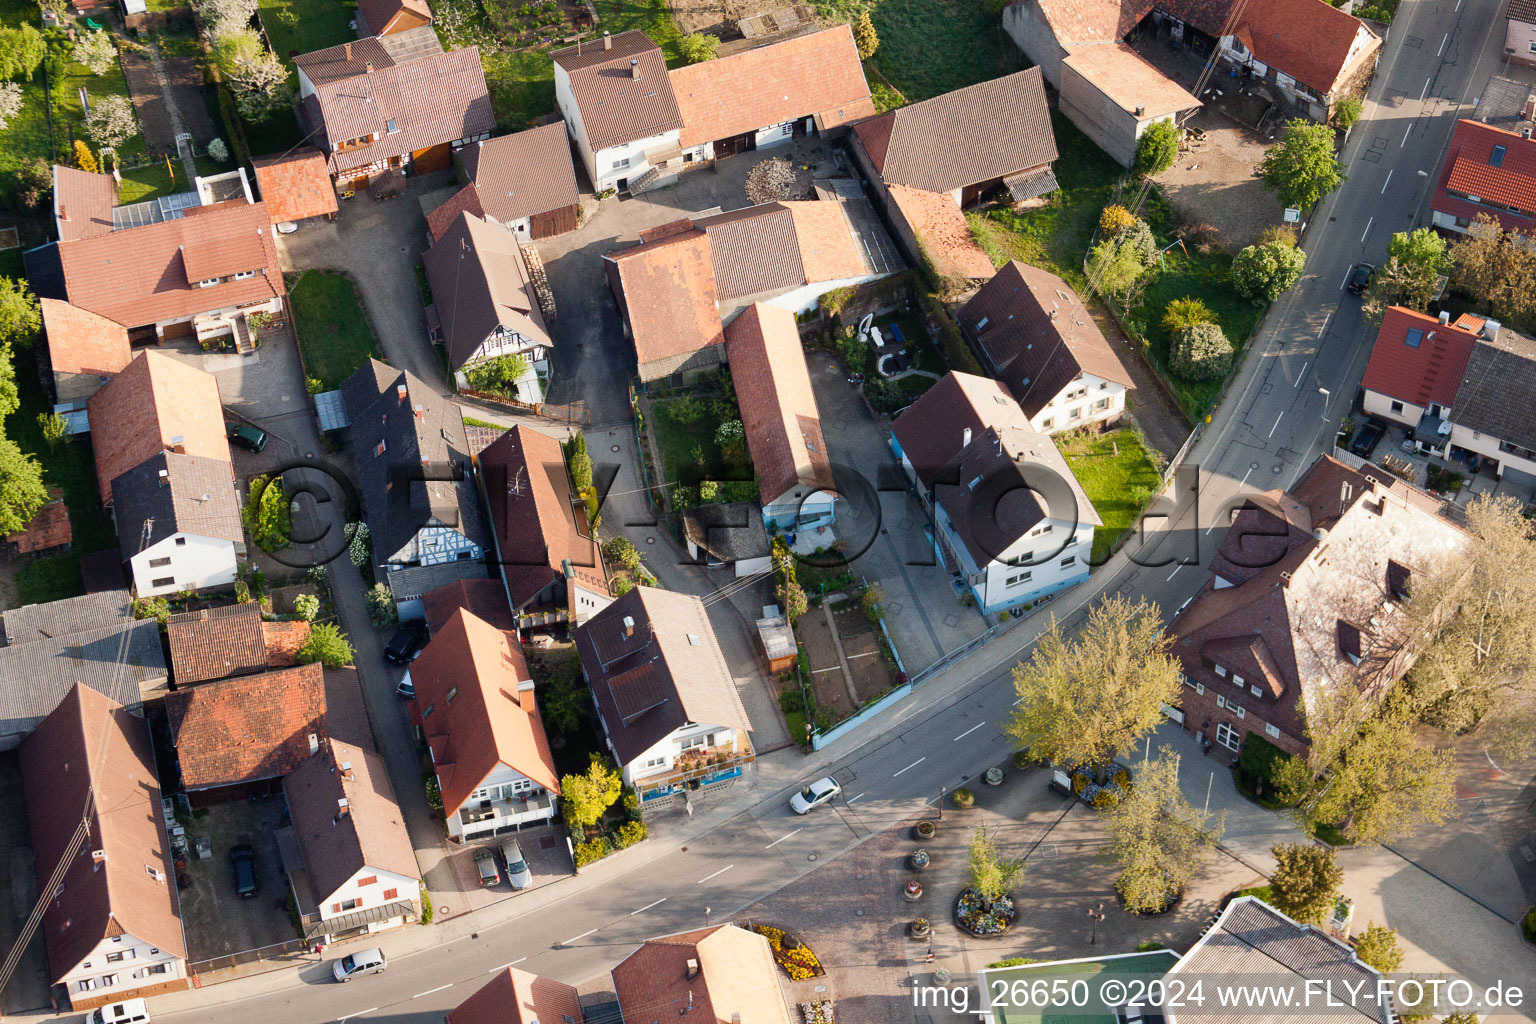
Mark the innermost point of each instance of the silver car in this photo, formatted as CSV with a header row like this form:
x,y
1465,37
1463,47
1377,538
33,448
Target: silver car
x,y
517,868
817,793
364,961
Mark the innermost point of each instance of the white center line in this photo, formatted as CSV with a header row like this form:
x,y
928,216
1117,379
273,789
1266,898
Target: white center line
x,y
359,1013
1323,328
1424,91
1175,572
779,840
573,938
909,767
514,963
1345,281
1405,135
1387,182
855,799
969,731
1244,480
1277,423
1443,42
648,906
1302,375
429,991
1367,228
715,875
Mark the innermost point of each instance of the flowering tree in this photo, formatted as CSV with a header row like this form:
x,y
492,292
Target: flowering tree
x,y
110,122
218,150
96,51
224,16
10,103
255,74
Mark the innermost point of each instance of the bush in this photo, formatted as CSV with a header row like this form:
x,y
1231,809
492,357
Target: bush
x,y
1157,149
791,700
593,849
381,606
328,645
1200,352
313,385
1278,234
157,608
1114,218
218,150
1347,112
1150,946
630,833
305,606
267,513
1186,312
963,799
1013,961
884,395
497,375
622,552
697,47
426,906
1263,272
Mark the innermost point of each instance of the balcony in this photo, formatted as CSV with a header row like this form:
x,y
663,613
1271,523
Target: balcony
x,y
518,808
704,763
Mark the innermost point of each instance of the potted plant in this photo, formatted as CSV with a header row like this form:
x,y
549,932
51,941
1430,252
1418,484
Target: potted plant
x,y
919,859
924,830
962,799
994,776
913,890
920,928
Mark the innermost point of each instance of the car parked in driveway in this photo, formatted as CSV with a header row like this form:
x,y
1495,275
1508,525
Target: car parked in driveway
x,y
817,793
242,865
364,961
1360,278
485,863
408,641
252,439
1367,438
518,872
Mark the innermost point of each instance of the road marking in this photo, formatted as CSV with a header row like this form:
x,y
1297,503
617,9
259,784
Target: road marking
x,y
968,732
1367,228
1345,281
648,906
909,767
429,991
1175,572
1302,375
1387,182
1277,423
1405,135
834,668
857,798
583,935
716,874
1244,480
514,963
359,1013
779,840
1444,41
1424,91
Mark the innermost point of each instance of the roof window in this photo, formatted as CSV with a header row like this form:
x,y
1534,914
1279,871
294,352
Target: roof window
x,y
1496,158
1413,337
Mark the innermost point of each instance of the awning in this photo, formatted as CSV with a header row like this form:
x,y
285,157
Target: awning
x,y
1026,186
359,919
662,154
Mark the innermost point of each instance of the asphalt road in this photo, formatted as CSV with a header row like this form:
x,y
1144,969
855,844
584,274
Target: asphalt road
x,y
1273,423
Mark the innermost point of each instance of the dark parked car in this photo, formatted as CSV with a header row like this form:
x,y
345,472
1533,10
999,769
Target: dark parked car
x,y
1360,278
1367,438
407,643
252,439
242,864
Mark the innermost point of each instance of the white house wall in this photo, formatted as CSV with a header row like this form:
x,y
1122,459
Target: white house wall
x,y
1520,41
1046,574
435,545
136,965
803,299
502,781
600,163
190,563
566,101
353,896
1058,415
587,602
1378,404
661,758
1487,446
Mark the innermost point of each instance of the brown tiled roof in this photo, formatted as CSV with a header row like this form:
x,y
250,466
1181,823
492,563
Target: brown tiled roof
x,y
136,276
778,407
973,135
1428,370
931,431
736,980
1310,40
1091,21
283,640
295,185
942,231
434,99
615,106
828,249
465,200
484,599
648,684
90,755
523,174
815,74
168,494
82,202
379,15
144,410
517,997
1521,10
48,529
475,711
529,495
80,341
754,251
669,296
1037,334
247,729
1130,81
212,643
479,282
370,834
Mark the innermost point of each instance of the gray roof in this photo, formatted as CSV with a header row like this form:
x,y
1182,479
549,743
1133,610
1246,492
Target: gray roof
x,y
422,431
35,622
1495,394
669,672
480,284
418,580
118,661
197,496
1503,101
729,533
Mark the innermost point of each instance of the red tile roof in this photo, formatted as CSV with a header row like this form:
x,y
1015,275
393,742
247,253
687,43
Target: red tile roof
x,y
778,406
1428,371
1310,40
48,529
472,677
941,228
82,202
669,295
283,640
146,408
247,729
616,106
380,16
735,980
212,643
517,997
465,200
295,185
1090,21
825,241
80,341
92,755
1468,170
817,74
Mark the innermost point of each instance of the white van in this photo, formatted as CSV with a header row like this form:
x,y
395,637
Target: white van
x,y
129,1011
364,961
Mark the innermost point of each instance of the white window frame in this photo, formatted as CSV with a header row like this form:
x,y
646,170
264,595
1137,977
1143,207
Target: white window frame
x,y
1272,729
1023,577
1228,737
1221,670
245,275
1254,689
1238,709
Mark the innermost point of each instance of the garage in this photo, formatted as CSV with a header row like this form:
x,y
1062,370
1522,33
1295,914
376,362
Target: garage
x,y
433,158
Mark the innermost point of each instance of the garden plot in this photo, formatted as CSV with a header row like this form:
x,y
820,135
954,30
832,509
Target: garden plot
x,y
865,654
828,687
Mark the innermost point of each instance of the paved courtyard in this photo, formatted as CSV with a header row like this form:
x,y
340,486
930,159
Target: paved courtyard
x,y
216,921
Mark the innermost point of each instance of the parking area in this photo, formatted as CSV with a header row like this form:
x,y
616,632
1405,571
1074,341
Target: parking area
x,y
544,848
217,922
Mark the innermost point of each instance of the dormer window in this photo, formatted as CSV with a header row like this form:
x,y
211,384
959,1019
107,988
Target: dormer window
x,y
245,275
209,283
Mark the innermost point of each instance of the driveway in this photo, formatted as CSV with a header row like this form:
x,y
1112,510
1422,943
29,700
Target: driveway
x,y
216,921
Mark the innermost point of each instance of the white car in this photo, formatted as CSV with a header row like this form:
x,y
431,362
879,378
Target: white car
x,y
129,1011
817,793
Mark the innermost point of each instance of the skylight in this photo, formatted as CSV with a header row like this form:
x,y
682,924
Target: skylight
x,y
1496,158
1414,337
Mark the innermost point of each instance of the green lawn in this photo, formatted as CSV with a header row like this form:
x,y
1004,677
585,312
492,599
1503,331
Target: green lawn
x,y
928,47
276,134
97,87
924,353
27,135
333,333
688,450
156,179
1117,476
304,26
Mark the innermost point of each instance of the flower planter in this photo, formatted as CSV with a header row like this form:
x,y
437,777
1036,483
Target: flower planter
x,y
994,776
982,921
924,830
920,860
912,891
942,975
920,928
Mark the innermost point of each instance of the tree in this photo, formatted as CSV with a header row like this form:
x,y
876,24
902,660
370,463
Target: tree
x,y
22,492
267,513
218,150
306,607
864,36
96,51
58,10
1377,946
1187,312
328,645
498,375
256,76
381,606
10,397
22,51
1347,112
10,103
20,316
1306,881
623,552
1159,838
1114,268
55,428
698,47
563,698
1085,699
225,16
992,875
110,122
1263,272
1115,217
792,599
584,798
770,181
731,437
1415,262
31,182
357,543
1157,149
580,464
1301,168
84,158
1200,352
1499,267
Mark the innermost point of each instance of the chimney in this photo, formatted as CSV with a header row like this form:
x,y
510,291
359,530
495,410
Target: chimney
x,y
348,52
417,410
1528,111
98,857
202,615
634,68
368,66
63,212
341,809
1445,316
629,626
965,437
314,743
1491,329
607,40
346,772
1140,110
567,569
693,969
400,392
164,478
525,686
1525,132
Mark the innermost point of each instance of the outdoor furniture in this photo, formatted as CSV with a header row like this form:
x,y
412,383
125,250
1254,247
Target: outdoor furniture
x,y
895,330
